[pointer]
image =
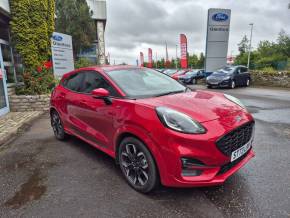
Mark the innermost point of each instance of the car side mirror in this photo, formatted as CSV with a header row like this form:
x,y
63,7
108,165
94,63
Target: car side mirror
x,y
102,94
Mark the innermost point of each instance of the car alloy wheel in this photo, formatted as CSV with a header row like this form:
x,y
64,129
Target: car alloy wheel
x,y
57,126
248,82
194,81
233,84
137,165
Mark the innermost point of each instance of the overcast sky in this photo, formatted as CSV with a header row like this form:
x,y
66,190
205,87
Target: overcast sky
x,y
136,25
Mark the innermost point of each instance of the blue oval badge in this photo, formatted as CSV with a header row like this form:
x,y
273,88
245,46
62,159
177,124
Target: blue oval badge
x,y
220,17
57,38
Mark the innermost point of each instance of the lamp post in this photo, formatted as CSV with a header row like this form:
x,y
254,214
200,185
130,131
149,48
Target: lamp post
x,y
250,47
176,56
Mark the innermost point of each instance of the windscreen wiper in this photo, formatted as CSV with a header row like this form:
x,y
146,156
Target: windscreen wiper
x,y
169,93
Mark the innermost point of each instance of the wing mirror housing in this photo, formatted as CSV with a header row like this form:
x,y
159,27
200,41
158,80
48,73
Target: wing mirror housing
x,y
102,94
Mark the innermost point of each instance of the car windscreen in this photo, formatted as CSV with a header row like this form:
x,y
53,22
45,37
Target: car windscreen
x,y
226,70
192,72
140,83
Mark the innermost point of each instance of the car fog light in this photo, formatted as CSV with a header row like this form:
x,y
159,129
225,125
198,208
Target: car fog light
x,y
188,163
191,172
191,167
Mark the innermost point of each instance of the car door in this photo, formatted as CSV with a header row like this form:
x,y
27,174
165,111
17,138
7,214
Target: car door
x,y
245,75
69,95
238,76
96,116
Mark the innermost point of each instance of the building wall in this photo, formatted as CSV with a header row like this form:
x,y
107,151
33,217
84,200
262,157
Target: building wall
x,y
4,4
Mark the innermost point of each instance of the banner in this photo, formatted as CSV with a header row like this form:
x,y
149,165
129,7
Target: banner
x,y
183,50
141,59
217,40
150,60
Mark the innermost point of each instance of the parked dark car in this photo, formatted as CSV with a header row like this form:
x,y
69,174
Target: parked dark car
x,y
191,76
229,77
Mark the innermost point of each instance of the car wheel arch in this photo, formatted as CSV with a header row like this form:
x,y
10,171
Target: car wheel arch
x,y
146,140
52,109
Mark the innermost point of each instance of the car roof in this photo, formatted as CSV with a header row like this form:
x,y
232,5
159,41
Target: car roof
x,y
101,69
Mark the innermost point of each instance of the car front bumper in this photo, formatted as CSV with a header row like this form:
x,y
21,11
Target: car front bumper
x,y
224,83
204,149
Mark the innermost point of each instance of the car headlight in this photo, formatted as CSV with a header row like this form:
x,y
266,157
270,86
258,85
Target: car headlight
x,y
226,78
235,100
178,121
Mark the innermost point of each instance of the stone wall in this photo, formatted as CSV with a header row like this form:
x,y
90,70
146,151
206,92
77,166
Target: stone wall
x,y
21,103
274,79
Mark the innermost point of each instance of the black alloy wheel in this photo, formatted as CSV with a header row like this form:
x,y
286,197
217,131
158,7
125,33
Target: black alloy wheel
x,y
194,81
248,82
137,165
233,84
57,126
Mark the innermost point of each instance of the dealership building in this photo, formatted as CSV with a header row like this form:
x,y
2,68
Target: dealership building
x,y
7,70
11,69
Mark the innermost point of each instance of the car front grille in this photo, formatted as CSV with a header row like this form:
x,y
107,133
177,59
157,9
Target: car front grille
x,y
236,138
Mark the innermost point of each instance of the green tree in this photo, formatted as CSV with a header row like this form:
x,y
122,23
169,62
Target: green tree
x,y
192,61
200,63
243,45
75,18
283,42
270,55
32,24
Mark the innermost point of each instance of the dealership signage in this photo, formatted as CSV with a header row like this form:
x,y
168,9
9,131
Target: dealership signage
x,y
218,27
62,53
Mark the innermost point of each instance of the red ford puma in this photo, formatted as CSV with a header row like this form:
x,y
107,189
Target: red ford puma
x,y
156,129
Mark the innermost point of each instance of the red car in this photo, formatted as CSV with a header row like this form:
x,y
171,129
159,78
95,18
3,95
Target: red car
x,y
156,129
178,74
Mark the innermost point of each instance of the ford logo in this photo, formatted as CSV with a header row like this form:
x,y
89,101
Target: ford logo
x,y
220,17
57,38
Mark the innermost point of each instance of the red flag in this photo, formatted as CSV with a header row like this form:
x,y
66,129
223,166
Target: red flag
x,y
141,59
150,61
183,48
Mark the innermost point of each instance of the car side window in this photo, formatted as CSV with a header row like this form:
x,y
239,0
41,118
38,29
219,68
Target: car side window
x,y
244,69
93,80
74,82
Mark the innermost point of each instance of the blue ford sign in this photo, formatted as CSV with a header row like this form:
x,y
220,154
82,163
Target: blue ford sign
x,y
57,38
220,17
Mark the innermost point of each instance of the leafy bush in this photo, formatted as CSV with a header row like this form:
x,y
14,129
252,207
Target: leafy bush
x,y
32,24
268,69
83,62
40,81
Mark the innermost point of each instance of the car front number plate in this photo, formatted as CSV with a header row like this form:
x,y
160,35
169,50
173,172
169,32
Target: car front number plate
x,y
241,151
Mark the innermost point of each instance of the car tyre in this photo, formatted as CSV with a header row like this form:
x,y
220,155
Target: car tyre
x,y
233,84
209,86
137,165
248,82
57,126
